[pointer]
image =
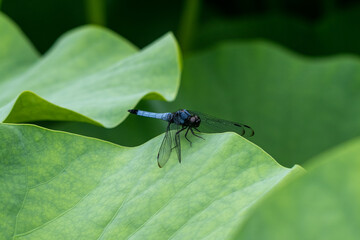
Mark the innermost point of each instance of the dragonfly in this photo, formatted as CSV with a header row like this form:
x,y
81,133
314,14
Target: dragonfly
x,y
189,121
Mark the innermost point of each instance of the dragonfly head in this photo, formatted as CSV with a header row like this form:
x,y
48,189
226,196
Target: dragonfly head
x,y
194,121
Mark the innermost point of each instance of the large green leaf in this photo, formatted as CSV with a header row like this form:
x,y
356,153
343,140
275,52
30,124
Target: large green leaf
x,y
64,186
323,204
90,75
298,106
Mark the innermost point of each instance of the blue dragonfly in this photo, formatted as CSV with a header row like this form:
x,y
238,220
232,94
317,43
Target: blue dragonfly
x,y
182,120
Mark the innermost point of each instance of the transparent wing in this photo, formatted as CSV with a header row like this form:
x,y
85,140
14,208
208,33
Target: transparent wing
x,y
165,148
213,124
177,142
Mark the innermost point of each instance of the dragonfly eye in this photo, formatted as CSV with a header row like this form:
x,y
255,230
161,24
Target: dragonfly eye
x,y
195,120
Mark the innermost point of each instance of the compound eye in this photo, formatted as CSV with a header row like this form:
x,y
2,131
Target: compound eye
x,y
192,119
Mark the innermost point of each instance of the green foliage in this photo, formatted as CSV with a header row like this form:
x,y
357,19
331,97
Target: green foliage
x,y
323,204
90,75
16,53
57,185
114,192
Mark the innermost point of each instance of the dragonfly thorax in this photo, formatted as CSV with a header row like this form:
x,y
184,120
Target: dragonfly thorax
x,y
184,118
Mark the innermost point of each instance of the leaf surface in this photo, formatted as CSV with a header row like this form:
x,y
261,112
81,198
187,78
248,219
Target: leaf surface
x,y
60,185
90,75
322,204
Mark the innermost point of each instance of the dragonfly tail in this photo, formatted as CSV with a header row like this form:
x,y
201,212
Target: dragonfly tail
x,y
133,111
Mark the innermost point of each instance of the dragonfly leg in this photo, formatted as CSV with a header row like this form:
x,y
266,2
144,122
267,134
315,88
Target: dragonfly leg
x,y
183,128
196,129
192,131
186,136
177,133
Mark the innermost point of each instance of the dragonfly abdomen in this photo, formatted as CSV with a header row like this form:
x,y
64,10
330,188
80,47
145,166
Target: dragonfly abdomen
x,y
162,116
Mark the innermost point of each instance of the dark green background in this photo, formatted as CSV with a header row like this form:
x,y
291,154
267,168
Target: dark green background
x,y
308,27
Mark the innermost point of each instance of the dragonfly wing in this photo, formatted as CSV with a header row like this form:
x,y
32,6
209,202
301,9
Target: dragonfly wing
x,y
165,148
213,124
177,141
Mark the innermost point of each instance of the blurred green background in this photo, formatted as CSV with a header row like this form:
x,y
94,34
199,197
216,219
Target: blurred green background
x,y
289,69
308,27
